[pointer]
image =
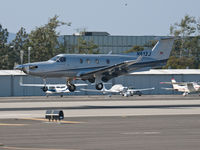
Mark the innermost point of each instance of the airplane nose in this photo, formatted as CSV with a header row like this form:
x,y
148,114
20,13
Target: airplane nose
x,y
19,67
22,68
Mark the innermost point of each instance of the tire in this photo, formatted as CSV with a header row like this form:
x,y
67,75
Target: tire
x,y
44,88
99,86
91,80
71,87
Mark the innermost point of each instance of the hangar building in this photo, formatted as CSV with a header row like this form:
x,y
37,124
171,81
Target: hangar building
x,y
106,42
9,80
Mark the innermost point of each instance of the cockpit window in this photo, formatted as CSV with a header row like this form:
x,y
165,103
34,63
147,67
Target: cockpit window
x,y
58,59
61,59
54,58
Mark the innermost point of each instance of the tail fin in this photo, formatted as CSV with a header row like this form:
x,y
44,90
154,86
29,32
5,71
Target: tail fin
x,y
173,80
175,86
162,49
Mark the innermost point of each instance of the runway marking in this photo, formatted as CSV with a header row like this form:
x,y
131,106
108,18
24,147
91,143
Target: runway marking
x,y
8,124
21,148
46,120
141,133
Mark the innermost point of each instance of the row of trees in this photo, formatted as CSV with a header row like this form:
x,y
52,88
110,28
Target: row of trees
x,y
43,42
186,50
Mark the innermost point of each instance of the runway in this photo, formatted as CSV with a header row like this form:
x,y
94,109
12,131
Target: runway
x,y
98,122
84,106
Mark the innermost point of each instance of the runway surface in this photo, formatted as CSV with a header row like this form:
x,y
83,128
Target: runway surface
x,y
99,122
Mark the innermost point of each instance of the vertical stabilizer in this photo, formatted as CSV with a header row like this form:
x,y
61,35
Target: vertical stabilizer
x,y
162,49
175,86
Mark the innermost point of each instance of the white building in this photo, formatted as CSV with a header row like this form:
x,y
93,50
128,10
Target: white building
x,y
9,80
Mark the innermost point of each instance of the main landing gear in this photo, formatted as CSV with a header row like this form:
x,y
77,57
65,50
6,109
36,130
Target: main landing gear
x,y
71,86
99,86
44,88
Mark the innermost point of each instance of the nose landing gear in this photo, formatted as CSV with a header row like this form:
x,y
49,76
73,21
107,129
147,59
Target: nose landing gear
x,y
71,86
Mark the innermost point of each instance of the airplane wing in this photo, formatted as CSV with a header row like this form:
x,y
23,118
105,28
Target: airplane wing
x,y
99,91
178,83
146,89
112,68
165,82
48,85
167,88
36,85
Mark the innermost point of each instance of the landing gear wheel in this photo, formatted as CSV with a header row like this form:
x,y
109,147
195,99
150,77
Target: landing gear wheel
x,y
44,88
99,86
71,87
91,80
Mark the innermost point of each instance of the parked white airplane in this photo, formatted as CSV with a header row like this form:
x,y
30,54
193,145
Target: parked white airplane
x,y
99,68
50,89
120,89
185,87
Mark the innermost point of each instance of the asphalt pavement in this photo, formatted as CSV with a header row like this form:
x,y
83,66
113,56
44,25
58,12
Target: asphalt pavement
x,y
153,123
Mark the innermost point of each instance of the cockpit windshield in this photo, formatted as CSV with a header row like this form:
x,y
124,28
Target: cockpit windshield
x,y
54,58
58,59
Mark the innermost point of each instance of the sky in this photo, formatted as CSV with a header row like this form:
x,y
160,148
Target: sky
x,y
117,17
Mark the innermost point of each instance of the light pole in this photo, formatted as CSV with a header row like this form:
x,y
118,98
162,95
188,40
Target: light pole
x,y
29,53
21,56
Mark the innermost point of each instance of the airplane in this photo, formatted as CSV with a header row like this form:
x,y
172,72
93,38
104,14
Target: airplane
x,y
51,89
185,87
120,89
99,68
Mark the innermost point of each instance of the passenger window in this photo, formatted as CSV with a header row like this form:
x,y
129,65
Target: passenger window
x,y
88,61
107,61
97,61
81,61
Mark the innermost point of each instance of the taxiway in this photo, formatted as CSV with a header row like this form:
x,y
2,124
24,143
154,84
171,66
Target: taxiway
x,y
99,122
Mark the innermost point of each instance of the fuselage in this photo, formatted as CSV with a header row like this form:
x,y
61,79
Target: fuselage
x,y
71,65
57,89
185,88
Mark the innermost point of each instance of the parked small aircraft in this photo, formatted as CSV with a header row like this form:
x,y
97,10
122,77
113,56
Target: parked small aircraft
x,y
120,89
49,89
98,68
185,87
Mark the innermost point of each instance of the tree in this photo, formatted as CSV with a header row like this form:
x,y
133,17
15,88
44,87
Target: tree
x,y
4,48
44,40
20,43
86,47
135,48
180,63
187,46
184,29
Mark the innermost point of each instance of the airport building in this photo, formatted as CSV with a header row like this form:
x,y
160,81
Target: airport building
x,y
9,80
106,43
